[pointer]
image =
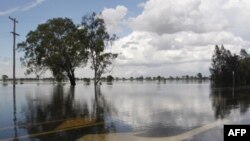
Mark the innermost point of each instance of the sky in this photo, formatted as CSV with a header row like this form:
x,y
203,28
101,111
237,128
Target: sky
x,y
156,37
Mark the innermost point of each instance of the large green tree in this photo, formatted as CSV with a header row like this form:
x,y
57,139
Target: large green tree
x,y
225,69
57,45
245,67
98,39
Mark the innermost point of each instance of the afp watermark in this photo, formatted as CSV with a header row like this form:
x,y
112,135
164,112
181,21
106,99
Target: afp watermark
x,y
236,132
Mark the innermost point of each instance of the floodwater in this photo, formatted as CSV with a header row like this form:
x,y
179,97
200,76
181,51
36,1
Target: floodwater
x,y
124,110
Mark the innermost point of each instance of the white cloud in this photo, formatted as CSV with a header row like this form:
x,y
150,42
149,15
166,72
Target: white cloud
x,y
173,37
32,5
142,4
114,18
9,11
191,39
147,48
24,7
167,16
184,51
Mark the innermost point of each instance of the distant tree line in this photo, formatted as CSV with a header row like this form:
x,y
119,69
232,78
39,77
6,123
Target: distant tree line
x,y
230,69
162,78
110,78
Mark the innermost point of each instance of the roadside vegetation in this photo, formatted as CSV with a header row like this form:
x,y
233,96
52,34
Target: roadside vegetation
x,y
229,69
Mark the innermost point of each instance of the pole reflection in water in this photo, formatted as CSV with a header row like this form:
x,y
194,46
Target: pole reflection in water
x,y
14,114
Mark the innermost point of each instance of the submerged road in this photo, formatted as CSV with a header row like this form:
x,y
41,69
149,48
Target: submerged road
x,y
134,137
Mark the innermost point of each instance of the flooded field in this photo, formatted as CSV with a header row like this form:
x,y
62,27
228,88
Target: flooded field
x,y
124,110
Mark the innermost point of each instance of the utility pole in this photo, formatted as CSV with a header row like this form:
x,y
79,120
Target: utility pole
x,y
233,79
14,48
233,83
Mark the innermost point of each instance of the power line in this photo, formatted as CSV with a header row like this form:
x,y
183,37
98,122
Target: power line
x,y
14,49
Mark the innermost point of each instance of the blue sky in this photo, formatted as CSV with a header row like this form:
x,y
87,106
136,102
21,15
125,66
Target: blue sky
x,y
156,37
29,18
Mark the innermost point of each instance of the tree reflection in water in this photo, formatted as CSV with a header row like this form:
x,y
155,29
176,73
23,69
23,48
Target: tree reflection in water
x,y
61,111
224,100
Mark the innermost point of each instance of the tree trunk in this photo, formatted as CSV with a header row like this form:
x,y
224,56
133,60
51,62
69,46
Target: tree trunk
x,y
72,80
95,79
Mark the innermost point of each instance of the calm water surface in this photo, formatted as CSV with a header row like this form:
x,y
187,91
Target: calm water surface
x,y
126,110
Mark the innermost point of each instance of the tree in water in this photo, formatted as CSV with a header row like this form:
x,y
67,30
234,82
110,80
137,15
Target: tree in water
x,y
199,76
245,67
4,78
110,78
225,67
57,45
98,39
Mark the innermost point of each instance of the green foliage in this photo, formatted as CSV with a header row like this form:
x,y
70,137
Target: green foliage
x,y
98,38
110,78
141,78
227,68
244,54
4,77
86,80
148,78
57,45
199,76
171,78
131,78
158,78
245,67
